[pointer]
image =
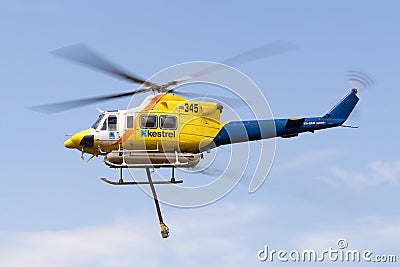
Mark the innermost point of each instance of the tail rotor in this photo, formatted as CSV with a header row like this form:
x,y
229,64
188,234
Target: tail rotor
x,y
360,80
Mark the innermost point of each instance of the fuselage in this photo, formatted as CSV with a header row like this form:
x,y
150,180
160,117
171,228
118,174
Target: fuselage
x,y
166,123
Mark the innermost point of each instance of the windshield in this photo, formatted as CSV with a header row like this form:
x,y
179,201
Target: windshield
x,y
94,126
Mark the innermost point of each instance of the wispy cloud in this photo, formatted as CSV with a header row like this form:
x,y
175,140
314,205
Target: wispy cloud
x,y
219,236
133,242
375,173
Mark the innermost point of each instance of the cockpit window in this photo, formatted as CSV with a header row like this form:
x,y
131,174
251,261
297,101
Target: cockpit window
x,y
96,123
104,126
148,121
112,123
168,122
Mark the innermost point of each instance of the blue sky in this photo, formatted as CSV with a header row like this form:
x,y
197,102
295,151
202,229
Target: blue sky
x,y
339,183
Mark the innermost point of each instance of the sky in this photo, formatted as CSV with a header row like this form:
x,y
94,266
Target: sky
x,y
333,184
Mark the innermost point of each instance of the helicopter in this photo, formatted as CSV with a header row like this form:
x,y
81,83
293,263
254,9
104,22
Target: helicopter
x,y
170,131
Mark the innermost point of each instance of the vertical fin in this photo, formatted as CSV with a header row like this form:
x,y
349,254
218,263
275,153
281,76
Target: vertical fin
x,y
345,106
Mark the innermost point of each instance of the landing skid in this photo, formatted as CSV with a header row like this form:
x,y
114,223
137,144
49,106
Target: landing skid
x,y
164,228
137,183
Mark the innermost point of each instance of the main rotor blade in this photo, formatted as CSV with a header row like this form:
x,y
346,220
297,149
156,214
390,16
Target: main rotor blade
x,y
82,54
267,50
233,102
76,103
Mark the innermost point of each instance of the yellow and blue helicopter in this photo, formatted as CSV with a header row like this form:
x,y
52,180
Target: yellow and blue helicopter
x,y
170,131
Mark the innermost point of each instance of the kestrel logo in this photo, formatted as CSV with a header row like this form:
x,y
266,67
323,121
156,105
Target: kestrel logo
x,y
165,134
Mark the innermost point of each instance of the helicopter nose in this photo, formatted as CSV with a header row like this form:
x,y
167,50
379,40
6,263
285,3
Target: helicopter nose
x,y
69,143
75,140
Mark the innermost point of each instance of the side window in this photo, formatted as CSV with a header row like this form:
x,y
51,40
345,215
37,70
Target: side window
x,y
129,122
112,123
168,122
148,121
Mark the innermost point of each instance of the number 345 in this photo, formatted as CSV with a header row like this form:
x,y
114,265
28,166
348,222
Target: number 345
x,y
191,107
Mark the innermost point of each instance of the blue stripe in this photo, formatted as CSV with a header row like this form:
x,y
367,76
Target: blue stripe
x,y
244,131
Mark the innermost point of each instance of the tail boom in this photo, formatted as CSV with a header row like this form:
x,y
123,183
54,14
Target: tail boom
x,y
244,131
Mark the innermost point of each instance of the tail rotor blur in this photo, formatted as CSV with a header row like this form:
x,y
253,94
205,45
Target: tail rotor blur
x,y
360,80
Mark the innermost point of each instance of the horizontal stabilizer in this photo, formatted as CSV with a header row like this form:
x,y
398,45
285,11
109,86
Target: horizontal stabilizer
x,y
289,135
294,122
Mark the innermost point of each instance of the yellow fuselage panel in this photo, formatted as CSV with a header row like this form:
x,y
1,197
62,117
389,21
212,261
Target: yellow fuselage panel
x,y
177,125
197,133
197,125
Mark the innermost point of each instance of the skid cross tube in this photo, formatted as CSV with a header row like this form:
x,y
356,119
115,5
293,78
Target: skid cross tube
x,y
173,176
